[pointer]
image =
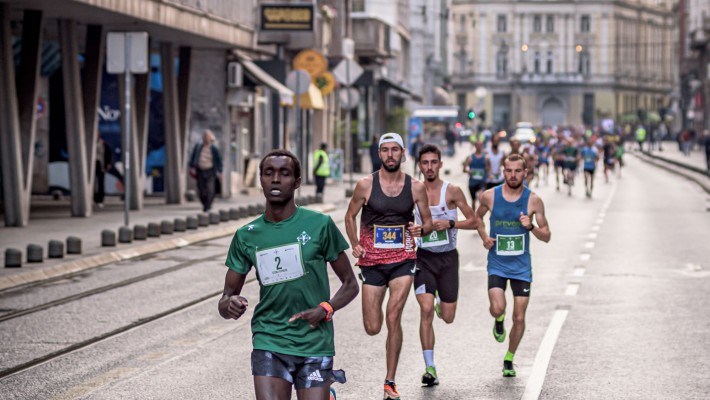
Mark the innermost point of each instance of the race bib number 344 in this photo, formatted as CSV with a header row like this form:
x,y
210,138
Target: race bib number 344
x,y
279,264
510,245
388,237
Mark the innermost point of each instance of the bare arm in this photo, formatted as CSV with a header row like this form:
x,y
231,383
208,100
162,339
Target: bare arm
x,y
542,230
347,292
232,305
466,163
459,199
362,189
486,205
422,202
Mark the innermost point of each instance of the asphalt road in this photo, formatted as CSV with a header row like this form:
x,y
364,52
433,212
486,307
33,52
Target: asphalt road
x,y
618,310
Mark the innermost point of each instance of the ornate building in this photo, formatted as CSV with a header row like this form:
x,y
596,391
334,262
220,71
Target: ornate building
x,y
557,62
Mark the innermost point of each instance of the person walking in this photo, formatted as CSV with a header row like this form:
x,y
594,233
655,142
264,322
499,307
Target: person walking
x,y
478,168
384,245
640,136
104,159
206,167
321,170
514,209
292,326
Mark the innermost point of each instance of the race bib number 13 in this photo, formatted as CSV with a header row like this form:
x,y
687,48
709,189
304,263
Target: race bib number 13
x,y
510,245
279,264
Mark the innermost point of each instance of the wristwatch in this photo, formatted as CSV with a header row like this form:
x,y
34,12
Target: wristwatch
x,y
531,228
452,223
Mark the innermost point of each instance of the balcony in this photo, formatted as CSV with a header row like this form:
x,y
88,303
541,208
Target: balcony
x,y
372,37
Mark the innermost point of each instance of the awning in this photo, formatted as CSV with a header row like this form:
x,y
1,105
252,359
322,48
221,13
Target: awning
x,y
436,112
285,94
312,99
396,86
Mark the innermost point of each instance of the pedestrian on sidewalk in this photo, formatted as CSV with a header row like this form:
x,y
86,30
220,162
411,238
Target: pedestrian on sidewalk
x,y
640,136
321,171
103,164
292,326
206,167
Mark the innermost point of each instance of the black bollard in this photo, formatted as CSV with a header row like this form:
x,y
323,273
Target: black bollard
x,y
233,213
166,227
108,238
153,230
223,215
214,218
243,212
180,225
73,245
125,234
203,219
55,249
140,232
13,258
192,223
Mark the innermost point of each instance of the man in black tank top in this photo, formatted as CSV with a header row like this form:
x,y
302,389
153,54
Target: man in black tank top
x,y
384,245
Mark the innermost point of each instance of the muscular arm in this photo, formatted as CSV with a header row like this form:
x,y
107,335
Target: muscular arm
x,y
360,194
349,288
459,200
486,205
232,305
422,202
466,162
542,230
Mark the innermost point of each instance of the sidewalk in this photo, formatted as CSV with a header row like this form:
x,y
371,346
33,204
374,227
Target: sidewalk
x,y
695,159
51,220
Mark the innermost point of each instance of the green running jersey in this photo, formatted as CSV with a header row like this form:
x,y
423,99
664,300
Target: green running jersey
x,y
290,258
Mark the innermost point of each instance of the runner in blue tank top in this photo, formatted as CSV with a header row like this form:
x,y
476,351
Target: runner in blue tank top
x,y
478,167
513,208
590,155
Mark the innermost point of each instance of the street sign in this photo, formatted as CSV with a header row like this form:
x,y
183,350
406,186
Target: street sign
x,y
325,82
311,61
298,80
347,72
348,48
116,52
351,101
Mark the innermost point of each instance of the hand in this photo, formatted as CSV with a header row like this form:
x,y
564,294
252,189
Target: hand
x,y
313,316
358,251
236,306
441,224
525,221
414,230
489,242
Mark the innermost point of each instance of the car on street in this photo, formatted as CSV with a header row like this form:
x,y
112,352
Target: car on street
x,y
524,133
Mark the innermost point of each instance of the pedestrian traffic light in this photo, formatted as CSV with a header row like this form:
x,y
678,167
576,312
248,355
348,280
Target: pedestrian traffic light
x,y
471,114
482,115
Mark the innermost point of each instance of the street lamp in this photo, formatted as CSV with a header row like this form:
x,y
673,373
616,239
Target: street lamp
x,y
578,48
524,48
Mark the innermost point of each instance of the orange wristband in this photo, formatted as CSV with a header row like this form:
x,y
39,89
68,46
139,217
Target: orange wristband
x,y
328,310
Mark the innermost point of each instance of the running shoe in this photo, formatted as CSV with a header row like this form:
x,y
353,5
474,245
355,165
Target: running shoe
x,y
508,370
430,378
332,394
499,331
437,304
391,392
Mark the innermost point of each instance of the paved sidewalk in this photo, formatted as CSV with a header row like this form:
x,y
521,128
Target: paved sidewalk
x,y
51,220
670,152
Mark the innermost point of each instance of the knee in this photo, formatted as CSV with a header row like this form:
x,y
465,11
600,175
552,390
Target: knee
x,y
448,318
427,312
497,310
519,320
372,328
393,319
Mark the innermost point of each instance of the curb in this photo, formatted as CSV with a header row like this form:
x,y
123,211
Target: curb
x,y
654,160
678,163
70,267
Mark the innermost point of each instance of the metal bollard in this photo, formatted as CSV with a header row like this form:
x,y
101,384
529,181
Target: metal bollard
x,y
243,212
73,245
153,230
55,249
108,238
125,234
223,215
214,218
260,208
203,219
13,258
252,210
192,223
319,198
166,227
140,232
233,213
180,225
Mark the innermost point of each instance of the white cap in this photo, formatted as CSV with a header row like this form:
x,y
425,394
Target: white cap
x,y
391,137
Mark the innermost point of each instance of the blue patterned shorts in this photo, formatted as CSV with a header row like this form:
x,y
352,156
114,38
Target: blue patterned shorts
x,y
303,372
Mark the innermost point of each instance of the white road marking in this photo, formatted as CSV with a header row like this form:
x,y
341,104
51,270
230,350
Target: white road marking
x,y
589,245
602,214
596,228
544,353
599,220
572,289
579,271
592,235
585,256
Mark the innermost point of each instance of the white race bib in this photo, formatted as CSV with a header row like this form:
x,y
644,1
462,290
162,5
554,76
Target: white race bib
x,y
510,245
436,238
279,264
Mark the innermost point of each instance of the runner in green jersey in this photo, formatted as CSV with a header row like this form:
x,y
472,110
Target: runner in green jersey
x,y
289,246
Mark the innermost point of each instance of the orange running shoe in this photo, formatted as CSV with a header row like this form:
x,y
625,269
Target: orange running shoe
x,y
391,392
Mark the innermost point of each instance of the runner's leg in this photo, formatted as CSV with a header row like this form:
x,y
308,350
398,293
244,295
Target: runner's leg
x,y
520,305
399,290
426,328
372,297
318,393
269,387
496,296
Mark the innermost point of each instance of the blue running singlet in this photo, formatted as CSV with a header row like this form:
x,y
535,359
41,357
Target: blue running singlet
x,y
510,255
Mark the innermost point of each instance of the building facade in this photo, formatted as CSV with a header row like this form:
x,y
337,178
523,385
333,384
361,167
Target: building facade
x,y
562,63
694,39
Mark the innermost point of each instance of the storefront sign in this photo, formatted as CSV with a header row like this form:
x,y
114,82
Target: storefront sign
x,y
287,17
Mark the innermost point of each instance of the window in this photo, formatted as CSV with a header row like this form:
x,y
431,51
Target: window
x,y
549,62
358,5
537,62
550,25
502,64
537,23
502,23
584,63
585,23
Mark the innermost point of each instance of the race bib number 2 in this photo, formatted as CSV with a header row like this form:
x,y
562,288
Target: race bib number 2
x,y
510,245
279,264
388,237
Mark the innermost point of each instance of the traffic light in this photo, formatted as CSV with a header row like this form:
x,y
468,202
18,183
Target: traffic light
x,y
482,115
471,114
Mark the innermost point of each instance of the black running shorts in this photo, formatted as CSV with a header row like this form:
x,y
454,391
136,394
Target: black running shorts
x,y
475,188
381,275
520,288
303,372
438,272
590,171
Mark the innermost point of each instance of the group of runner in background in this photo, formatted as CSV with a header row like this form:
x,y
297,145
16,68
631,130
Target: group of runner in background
x,y
554,155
